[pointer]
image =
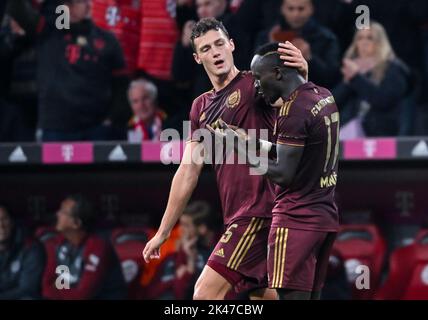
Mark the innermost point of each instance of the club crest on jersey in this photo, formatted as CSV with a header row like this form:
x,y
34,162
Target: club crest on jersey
x,y
234,99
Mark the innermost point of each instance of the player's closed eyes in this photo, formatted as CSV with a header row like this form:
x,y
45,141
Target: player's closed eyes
x,y
205,49
219,43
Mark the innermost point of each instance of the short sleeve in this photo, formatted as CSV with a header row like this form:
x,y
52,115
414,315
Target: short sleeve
x,y
194,118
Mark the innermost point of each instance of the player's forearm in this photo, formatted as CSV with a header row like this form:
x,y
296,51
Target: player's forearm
x,y
183,184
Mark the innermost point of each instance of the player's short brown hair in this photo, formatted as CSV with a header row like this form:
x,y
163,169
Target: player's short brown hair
x,y
205,25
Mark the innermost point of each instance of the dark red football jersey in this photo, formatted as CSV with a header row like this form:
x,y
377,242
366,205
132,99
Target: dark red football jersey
x,y
310,118
241,194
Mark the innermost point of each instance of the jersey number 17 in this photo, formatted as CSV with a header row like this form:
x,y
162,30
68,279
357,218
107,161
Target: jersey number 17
x,y
332,153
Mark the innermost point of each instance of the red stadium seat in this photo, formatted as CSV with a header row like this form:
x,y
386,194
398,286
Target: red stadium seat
x,y
362,245
408,275
129,244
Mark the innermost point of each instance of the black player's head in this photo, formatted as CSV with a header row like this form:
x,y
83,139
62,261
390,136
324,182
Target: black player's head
x,y
75,213
212,46
271,75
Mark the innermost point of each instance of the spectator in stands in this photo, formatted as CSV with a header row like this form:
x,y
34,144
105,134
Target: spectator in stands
x,y
318,44
178,272
194,247
146,121
404,22
21,261
77,72
93,269
206,223
374,83
339,16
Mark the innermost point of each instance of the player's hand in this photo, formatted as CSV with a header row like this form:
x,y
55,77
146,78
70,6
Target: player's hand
x,y
184,3
152,248
236,131
304,47
222,130
244,139
293,57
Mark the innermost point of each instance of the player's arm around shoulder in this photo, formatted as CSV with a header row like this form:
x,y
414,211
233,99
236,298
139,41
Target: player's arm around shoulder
x,y
183,184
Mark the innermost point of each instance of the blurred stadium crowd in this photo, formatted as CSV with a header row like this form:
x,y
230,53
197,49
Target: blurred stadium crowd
x,y
106,262
124,70
103,263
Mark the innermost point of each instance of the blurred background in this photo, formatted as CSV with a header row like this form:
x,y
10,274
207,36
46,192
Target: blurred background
x,y
81,111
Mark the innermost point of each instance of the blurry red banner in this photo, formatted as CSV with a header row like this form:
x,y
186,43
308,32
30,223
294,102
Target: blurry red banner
x,y
123,19
158,37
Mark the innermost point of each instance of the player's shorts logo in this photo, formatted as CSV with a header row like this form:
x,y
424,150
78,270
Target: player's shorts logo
x,y
234,99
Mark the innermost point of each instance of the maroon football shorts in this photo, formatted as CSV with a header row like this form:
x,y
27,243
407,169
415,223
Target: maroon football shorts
x,y
298,259
241,253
